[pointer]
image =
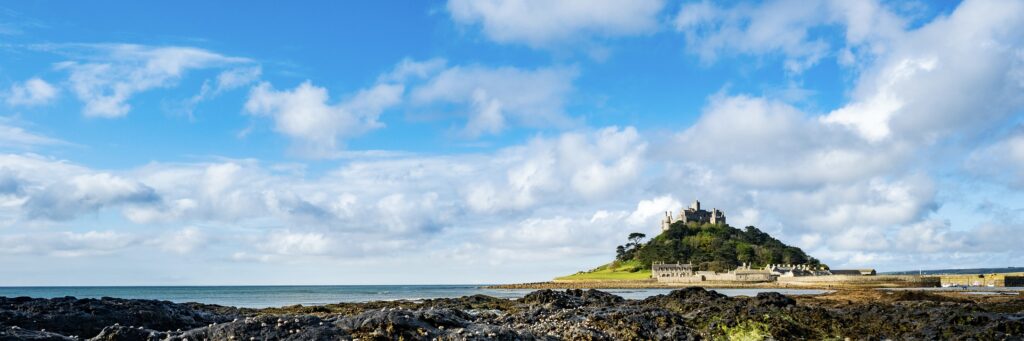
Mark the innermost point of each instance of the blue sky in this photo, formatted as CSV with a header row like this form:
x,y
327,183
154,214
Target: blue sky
x,y
498,140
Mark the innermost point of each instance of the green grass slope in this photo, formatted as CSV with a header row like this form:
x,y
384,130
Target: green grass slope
x,y
614,271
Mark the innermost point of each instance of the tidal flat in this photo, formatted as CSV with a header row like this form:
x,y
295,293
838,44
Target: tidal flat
x,y
683,314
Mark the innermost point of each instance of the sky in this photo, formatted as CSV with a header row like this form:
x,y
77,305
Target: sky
x,y
495,141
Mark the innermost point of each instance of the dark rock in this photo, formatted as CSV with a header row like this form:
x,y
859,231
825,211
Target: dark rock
x,y
773,299
87,317
16,333
123,333
685,314
267,327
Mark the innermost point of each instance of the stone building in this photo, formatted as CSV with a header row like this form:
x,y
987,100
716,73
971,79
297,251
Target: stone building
x,y
796,270
753,275
666,272
854,272
683,273
694,214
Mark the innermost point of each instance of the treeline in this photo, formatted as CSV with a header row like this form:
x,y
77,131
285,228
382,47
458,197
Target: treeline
x,y
712,247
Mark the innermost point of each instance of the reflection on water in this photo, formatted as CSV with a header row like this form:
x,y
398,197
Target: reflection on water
x,y
276,296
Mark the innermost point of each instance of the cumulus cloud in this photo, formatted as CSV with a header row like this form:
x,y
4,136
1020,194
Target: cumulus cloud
x,y
923,90
494,98
784,27
305,115
538,23
111,74
84,194
31,92
763,143
586,167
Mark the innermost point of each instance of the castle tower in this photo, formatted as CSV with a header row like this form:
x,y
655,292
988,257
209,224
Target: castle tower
x,y
666,222
696,205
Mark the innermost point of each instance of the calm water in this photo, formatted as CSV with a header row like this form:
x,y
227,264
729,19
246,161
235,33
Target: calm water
x,y
276,296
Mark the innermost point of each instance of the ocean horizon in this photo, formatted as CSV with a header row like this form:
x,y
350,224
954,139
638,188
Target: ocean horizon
x,y
265,296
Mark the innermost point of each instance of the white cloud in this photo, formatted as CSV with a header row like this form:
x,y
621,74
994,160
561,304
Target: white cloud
x,y
784,27
66,244
226,81
1002,161
413,69
31,92
587,167
237,77
86,193
184,241
112,74
922,89
13,136
768,144
495,97
295,243
539,23
305,115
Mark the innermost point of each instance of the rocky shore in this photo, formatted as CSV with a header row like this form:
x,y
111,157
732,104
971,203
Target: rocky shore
x,y
684,314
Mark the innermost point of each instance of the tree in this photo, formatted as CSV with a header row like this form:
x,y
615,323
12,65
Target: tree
x,y
636,237
711,247
628,251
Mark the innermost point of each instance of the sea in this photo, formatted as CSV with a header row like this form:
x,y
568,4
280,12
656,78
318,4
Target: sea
x,y
279,296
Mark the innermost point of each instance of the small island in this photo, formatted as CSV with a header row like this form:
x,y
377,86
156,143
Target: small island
x,y
698,248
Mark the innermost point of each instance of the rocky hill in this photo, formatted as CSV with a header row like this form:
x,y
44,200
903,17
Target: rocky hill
x,y
714,247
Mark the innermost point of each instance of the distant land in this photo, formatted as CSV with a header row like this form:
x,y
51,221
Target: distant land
x,y
712,247
959,271
700,238
698,248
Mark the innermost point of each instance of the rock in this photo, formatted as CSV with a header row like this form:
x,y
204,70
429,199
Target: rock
x,y
685,314
87,317
17,333
121,333
773,299
265,327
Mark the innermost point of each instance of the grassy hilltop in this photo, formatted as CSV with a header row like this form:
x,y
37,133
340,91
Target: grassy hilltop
x,y
706,246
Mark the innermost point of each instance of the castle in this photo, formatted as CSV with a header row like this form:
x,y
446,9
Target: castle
x,y
694,214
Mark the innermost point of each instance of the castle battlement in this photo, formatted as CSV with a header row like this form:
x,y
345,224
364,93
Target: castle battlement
x,y
694,214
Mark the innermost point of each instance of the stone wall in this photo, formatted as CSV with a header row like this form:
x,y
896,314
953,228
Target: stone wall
x,y
895,280
994,280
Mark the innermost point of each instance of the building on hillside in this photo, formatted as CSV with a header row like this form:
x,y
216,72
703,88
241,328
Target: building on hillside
x,y
694,214
663,272
684,273
796,270
753,275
